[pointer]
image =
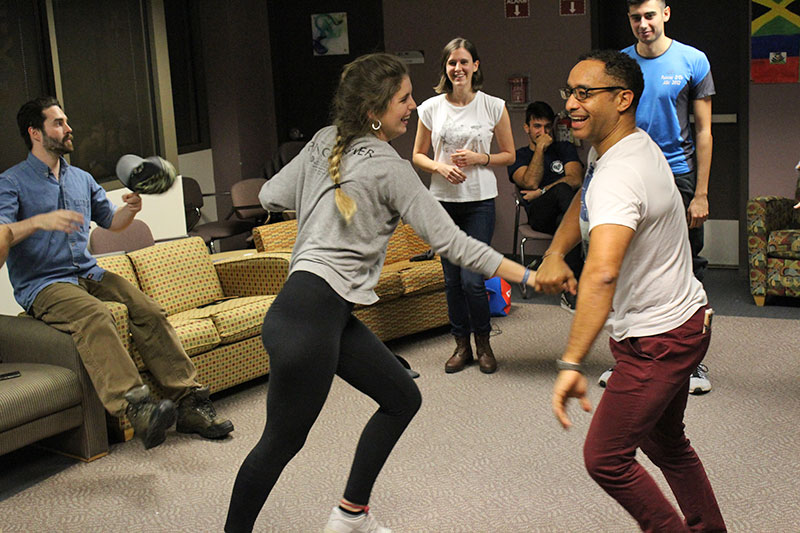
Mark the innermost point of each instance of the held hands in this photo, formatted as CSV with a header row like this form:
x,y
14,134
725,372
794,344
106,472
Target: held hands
x,y
464,158
569,384
554,276
133,202
697,212
452,174
60,220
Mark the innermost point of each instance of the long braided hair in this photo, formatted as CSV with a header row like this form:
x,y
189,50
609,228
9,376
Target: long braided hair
x,y
366,87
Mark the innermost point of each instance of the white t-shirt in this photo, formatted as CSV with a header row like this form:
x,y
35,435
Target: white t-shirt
x,y
632,185
469,127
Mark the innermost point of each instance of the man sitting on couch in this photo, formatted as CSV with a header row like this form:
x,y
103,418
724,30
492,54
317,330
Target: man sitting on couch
x,y
47,205
6,238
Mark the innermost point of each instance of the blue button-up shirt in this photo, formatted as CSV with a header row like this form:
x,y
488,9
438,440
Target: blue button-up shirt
x,y
47,257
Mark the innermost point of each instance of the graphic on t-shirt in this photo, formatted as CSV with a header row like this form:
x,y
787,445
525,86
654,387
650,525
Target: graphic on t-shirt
x,y
584,217
455,136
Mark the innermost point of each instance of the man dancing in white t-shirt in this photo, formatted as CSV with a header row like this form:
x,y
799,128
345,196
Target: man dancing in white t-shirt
x,y
638,281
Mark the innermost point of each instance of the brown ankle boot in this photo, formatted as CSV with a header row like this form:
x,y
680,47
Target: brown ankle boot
x,y
486,360
461,356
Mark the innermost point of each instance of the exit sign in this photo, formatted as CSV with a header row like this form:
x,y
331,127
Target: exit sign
x,y
517,9
572,7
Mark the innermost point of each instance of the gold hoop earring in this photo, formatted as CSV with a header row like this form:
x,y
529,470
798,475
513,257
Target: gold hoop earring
x,y
377,126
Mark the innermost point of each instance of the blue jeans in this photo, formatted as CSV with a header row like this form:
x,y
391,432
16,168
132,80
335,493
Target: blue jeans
x,y
467,303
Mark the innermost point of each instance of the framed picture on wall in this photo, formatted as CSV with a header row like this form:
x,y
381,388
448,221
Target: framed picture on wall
x,y
329,34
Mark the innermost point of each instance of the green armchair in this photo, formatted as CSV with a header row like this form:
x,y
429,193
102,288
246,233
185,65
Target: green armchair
x,y
773,246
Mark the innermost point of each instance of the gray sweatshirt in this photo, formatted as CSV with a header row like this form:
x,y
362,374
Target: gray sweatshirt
x,y
385,188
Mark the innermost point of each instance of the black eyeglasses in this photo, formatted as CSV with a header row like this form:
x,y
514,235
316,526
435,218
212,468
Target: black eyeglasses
x,y
582,93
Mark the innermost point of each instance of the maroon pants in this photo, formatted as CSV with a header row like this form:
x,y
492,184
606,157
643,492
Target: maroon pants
x,y
642,407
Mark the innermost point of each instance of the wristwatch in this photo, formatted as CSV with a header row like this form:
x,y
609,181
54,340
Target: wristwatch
x,y
543,189
563,365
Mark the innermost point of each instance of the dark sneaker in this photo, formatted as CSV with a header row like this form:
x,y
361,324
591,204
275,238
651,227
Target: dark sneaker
x,y
150,419
699,382
196,414
568,301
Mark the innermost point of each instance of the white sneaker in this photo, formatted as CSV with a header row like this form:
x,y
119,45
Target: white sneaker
x,y
568,301
340,522
699,382
603,379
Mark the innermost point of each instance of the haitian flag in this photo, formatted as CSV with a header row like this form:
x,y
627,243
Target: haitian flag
x,y
775,41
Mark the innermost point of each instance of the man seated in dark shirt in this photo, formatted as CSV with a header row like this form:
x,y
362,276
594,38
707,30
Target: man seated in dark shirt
x,y
547,173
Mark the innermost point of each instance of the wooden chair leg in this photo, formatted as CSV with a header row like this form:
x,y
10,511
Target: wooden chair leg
x,y
760,300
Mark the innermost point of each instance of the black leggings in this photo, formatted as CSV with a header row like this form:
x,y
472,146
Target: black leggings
x,y
310,335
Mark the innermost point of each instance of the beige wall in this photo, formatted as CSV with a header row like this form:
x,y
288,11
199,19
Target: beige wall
x,y
774,138
543,46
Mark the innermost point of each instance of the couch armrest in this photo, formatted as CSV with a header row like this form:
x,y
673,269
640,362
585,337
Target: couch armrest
x,y
258,274
275,237
25,339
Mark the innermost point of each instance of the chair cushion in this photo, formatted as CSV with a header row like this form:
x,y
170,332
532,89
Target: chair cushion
x,y
119,264
784,243
234,319
179,275
39,391
783,277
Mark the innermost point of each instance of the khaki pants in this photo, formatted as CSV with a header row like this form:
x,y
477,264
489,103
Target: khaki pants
x,y
79,311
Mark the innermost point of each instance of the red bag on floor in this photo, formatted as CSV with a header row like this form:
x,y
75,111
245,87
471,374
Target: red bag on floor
x,y
499,292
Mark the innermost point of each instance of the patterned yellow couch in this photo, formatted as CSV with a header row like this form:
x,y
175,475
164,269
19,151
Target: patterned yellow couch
x,y
412,297
216,308
773,246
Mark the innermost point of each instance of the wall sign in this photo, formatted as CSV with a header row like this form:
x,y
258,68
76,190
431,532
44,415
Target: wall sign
x,y
572,7
517,9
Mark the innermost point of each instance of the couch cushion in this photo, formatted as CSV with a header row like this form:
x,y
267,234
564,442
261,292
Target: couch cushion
x,y
179,275
403,244
119,312
197,335
119,264
234,319
419,276
39,391
784,243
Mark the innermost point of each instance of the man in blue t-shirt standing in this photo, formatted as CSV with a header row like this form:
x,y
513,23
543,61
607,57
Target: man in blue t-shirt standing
x,y
547,173
677,83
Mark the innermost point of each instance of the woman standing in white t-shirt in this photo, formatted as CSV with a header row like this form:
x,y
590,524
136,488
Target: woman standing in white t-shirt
x,y
459,124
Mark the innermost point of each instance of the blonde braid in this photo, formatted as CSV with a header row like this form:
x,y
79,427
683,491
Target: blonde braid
x,y
346,205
